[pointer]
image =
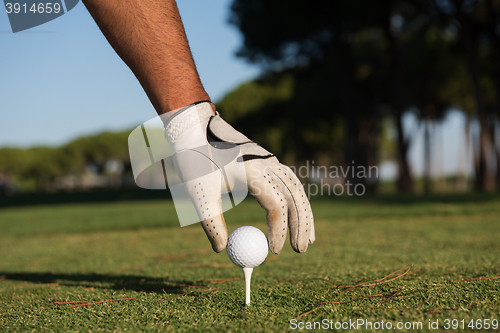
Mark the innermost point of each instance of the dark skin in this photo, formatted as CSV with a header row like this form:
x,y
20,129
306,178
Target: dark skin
x,y
149,37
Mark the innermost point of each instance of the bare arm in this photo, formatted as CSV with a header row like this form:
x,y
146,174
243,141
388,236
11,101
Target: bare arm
x,y
150,38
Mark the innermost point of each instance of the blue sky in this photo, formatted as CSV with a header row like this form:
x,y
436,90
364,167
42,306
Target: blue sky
x,y
62,80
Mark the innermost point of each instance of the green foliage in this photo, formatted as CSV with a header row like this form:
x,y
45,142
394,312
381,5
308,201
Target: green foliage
x,y
287,113
98,253
374,59
31,165
255,95
388,140
99,148
14,160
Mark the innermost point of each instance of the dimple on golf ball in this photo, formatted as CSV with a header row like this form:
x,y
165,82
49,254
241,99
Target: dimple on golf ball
x,y
247,247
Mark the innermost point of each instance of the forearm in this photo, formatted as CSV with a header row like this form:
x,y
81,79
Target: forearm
x,y
149,36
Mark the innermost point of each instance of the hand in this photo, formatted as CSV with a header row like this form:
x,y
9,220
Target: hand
x,y
196,135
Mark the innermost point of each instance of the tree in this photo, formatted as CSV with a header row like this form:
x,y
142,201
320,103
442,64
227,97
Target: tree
x,y
276,112
332,41
41,165
473,23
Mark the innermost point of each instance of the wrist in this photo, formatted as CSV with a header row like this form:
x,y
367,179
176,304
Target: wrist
x,y
168,115
173,108
187,124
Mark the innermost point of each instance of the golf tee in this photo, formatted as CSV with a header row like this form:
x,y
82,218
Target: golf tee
x,y
247,272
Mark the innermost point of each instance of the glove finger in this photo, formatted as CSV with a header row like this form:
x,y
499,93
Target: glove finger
x,y
299,210
312,235
267,189
216,231
205,193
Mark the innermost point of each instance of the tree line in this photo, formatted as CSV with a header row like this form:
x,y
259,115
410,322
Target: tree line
x,y
30,168
335,76
333,73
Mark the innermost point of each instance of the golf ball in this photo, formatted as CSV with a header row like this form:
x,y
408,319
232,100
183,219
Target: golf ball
x,y
247,247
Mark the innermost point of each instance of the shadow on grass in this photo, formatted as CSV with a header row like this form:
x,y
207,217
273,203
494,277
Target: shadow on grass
x,y
102,281
98,195
135,194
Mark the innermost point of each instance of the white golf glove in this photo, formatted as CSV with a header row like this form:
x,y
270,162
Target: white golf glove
x,y
275,186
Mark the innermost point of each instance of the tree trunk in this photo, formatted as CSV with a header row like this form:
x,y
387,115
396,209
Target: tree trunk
x,y
462,176
427,156
493,11
369,138
496,125
353,153
405,181
484,178
496,146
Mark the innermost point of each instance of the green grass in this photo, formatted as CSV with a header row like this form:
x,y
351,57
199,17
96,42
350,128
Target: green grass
x,y
101,252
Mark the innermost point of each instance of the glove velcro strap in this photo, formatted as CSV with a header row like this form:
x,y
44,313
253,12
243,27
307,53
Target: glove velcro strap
x,y
225,132
186,118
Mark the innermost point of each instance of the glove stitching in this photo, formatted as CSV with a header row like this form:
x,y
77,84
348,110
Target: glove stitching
x,y
183,120
294,205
